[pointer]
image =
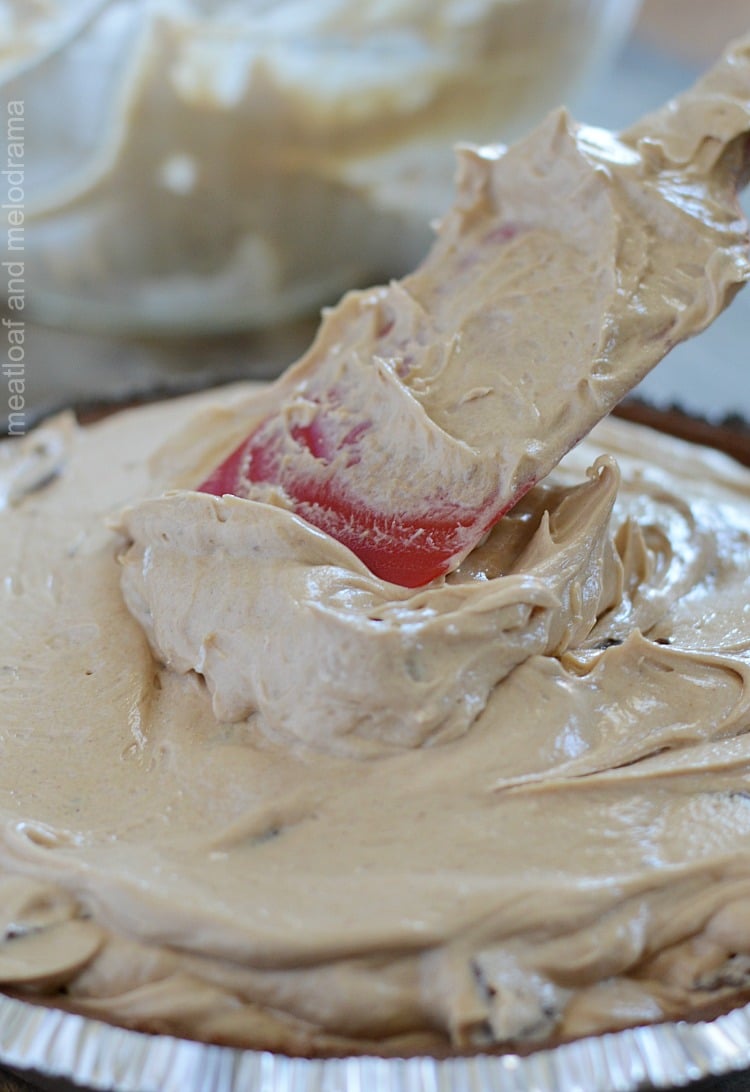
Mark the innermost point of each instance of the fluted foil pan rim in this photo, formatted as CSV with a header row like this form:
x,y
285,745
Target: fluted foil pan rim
x,y
100,1056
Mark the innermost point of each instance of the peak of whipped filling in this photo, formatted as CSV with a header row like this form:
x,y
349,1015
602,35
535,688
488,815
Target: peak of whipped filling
x,y
284,621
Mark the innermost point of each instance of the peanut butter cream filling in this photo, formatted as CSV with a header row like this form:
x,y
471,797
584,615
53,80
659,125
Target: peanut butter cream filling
x,y
250,793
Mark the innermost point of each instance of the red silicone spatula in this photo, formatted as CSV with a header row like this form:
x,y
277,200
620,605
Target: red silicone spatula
x,y
567,269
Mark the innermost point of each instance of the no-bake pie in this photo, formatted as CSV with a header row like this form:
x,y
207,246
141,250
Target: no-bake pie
x,y
252,793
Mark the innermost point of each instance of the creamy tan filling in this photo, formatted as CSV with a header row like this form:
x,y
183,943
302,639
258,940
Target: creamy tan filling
x,y
251,792
509,808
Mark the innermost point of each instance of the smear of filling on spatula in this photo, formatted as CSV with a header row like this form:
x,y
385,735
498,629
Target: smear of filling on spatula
x,y
569,266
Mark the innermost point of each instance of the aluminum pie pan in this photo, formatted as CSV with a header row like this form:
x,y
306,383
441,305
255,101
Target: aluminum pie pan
x,y
61,1045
